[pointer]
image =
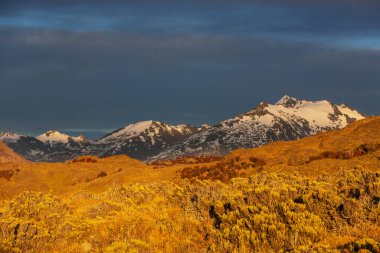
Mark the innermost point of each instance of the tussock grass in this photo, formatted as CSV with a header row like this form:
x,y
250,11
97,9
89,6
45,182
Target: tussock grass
x,y
267,212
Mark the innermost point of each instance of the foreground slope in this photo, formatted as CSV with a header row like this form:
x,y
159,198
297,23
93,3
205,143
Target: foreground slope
x,y
85,172
263,213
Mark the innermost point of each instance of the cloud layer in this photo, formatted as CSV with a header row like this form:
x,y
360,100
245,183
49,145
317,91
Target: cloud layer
x,y
76,65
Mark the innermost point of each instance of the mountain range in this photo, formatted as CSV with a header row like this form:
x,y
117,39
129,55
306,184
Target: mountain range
x,y
288,119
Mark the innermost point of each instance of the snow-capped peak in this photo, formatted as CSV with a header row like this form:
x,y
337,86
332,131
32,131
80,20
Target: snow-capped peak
x,y
137,128
9,136
287,101
320,115
129,130
149,128
183,128
53,136
204,126
288,119
81,138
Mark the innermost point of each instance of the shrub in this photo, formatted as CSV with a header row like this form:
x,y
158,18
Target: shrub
x,y
266,212
101,174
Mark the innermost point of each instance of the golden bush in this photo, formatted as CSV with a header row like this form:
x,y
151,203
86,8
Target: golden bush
x,y
267,212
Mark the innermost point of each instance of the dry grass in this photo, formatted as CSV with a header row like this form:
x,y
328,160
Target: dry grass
x,y
301,196
263,213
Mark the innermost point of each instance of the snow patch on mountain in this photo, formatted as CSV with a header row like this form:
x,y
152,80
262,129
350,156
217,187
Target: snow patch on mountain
x,y
9,137
141,139
128,131
53,136
288,119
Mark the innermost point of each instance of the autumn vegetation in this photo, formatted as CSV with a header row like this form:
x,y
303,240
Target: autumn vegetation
x,y
224,170
268,212
318,194
187,160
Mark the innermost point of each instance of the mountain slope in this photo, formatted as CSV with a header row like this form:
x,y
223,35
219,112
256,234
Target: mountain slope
x,y
84,172
355,146
50,147
53,137
141,140
335,210
7,155
288,119
284,156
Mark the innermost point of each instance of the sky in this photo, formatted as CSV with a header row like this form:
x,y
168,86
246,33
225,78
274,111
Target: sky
x,y
92,66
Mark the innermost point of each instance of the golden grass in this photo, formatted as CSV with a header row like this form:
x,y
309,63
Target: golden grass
x,y
296,196
263,213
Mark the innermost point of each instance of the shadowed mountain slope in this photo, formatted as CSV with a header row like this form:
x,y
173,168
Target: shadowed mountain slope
x,y
7,155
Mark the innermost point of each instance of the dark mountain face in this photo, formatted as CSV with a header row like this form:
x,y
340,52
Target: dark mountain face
x,y
141,140
7,155
29,147
51,146
288,119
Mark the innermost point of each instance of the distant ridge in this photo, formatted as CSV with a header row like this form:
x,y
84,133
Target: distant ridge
x,y
141,140
288,119
53,136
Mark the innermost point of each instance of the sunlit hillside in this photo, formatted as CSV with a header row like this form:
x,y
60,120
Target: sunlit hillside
x,y
359,138
189,126
264,213
356,146
8,156
87,172
317,194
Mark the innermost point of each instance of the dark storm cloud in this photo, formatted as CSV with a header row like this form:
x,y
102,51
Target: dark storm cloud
x,y
88,68
242,17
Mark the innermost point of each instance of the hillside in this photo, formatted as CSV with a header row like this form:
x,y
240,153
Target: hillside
x,y
356,146
317,194
86,172
359,138
7,155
